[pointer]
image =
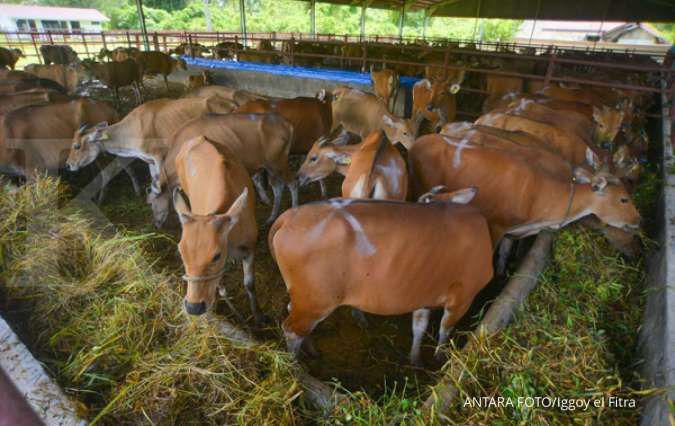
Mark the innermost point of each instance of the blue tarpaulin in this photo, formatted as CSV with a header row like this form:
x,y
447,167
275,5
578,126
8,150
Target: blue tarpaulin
x,y
334,75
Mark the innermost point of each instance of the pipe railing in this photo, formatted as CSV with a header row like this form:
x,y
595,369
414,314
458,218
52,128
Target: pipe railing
x,y
555,58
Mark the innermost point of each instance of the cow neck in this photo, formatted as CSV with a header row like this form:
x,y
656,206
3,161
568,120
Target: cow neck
x,y
556,212
123,140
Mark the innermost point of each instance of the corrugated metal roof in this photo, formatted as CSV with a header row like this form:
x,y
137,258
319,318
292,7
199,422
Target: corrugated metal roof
x,y
51,13
578,30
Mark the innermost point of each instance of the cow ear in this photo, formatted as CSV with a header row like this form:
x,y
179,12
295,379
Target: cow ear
x,y
582,175
598,184
386,119
597,114
321,95
463,196
182,207
340,158
454,89
226,221
592,159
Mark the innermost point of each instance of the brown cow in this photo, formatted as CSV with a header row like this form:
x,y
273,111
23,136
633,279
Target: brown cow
x,y
260,141
497,86
238,97
144,133
30,97
153,63
9,57
349,252
372,169
196,81
541,200
385,86
117,74
566,144
218,219
362,113
435,102
35,139
310,117
58,54
68,76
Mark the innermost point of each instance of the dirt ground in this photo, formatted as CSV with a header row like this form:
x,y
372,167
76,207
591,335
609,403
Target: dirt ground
x,y
373,359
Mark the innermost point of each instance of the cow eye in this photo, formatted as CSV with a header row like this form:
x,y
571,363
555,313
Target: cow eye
x,y
624,200
430,107
77,146
216,257
313,158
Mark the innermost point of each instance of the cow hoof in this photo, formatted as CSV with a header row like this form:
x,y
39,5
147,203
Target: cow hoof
x,y
360,318
310,350
262,320
441,357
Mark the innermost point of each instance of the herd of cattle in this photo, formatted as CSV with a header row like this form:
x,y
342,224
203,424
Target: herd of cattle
x,y
425,201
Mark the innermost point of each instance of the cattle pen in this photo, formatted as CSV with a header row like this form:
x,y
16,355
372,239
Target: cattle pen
x,y
93,328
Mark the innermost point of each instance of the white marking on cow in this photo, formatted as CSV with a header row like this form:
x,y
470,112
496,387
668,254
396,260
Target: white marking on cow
x,y
380,192
391,172
424,82
358,189
363,244
461,145
522,105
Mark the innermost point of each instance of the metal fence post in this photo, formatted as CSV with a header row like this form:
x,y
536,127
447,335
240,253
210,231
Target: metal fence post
x,y
550,69
105,45
37,51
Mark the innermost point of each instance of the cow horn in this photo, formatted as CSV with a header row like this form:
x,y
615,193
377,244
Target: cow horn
x,y
83,128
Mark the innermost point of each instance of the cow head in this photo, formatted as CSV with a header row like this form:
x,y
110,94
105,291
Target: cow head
x,y
612,205
17,53
626,166
203,249
399,130
607,124
87,145
159,203
325,157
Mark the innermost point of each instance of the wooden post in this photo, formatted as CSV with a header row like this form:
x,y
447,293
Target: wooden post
x,y
128,40
364,55
105,44
292,51
155,41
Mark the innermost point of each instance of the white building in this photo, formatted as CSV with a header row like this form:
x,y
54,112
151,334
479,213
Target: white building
x,y
16,17
605,35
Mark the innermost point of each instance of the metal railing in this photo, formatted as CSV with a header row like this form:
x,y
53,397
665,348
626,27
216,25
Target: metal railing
x,y
555,60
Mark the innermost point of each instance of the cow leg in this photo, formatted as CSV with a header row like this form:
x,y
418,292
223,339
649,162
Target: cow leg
x,y
297,326
360,318
134,180
258,182
293,188
503,254
277,190
324,192
443,333
249,283
420,321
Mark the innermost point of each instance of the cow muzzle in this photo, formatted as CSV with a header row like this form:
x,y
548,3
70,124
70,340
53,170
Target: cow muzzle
x,y
72,167
195,308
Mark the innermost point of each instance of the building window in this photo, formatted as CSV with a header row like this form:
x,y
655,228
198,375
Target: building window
x,y
95,23
75,26
54,25
22,25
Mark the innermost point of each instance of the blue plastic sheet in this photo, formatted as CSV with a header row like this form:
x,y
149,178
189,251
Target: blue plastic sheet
x,y
334,75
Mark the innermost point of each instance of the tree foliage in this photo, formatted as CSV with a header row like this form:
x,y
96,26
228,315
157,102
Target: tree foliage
x,y
286,16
